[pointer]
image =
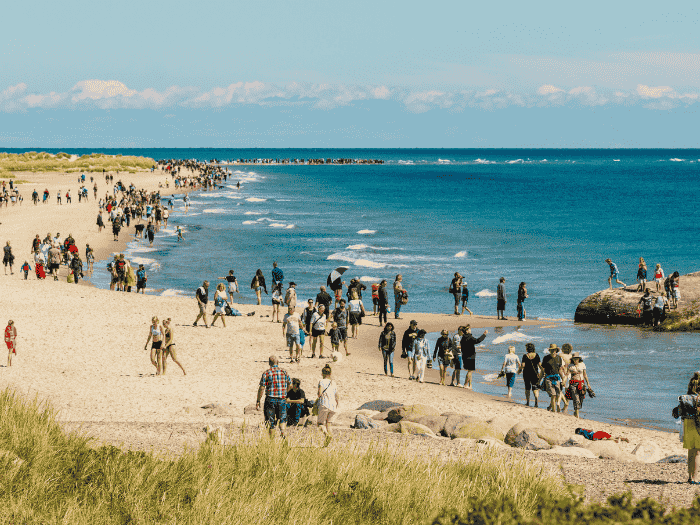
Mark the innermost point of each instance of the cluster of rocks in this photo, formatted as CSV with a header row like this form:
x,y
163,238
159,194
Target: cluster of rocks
x,y
500,431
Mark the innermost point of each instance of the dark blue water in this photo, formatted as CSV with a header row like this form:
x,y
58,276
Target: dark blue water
x,y
546,217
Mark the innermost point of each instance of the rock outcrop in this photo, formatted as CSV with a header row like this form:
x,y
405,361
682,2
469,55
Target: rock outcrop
x,y
619,305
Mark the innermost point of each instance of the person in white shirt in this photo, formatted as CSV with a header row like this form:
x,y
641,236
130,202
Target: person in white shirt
x,y
421,353
291,327
511,365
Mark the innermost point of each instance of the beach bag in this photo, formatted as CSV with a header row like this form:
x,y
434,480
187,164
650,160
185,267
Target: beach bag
x,y
71,279
404,297
449,356
429,364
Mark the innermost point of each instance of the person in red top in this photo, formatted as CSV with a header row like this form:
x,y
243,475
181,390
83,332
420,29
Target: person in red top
x,y
375,297
275,384
10,340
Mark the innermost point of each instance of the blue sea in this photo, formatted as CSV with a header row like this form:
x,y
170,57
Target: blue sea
x,y
546,217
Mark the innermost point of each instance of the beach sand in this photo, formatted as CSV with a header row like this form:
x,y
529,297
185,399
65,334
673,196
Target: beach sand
x,y
82,349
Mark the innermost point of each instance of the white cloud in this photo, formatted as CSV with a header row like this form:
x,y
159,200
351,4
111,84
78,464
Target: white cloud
x,y
113,94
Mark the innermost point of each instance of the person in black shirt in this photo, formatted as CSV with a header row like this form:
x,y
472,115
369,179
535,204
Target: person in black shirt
x,y
409,336
383,301
647,303
296,401
553,367
522,295
324,298
442,354
202,295
531,368
468,346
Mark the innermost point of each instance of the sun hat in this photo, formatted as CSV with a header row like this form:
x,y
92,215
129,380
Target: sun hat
x,y
553,346
576,355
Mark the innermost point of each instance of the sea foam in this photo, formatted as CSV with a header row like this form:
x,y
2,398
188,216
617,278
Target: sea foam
x,y
367,232
517,337
255,199
459,255
486,293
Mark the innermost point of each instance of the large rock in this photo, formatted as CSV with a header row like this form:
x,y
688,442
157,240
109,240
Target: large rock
x,y
476,429
619,305
552,436
647,452
434,423
452,422
529,440
411,412
501,423
368,413
575,441
392,427
609,450
380,406
363,422
676,458
385,414
570,451
514,431
416,429
251,409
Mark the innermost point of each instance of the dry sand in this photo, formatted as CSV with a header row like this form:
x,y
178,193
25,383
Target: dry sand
x,y
83,350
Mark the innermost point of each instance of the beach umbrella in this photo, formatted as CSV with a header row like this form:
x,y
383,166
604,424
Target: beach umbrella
x,y
333,280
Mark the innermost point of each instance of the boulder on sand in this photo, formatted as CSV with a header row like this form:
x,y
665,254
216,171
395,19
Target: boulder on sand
x,y
434,423
385,414
529,440
514,431
476,429
647,452
452,422
411,412
413,428
380,406
363,422
552,436
252,409
609,450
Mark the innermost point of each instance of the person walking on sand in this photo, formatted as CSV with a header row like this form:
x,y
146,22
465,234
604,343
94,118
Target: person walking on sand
x,y
642,275
421,354
614,274
387,345
232,283
8,258
553,367
443,354
318,331
457,362
565,356
291,329
10,340
456,290
341,317
659,277
531,369
468,344
511,366
465,297
522,295
578,383
276,302
220,302
691,432
383,301
169,346
357,312
202,295
275,384
156,334
398,295
325,299
501,299
407,347
328,403
290,297
258,284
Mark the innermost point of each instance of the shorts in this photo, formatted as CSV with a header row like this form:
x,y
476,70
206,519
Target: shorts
x,y
7,260
231,288
501,305
553,388
325,416
465,301
316,333
202,308
355,318
677,294
293,339
275,301
410,354
275,410
614,275
219,309
469,364
531,382
157,345
458,297
457,362
510,379
11,346
343,333
442,362
140,285
375,301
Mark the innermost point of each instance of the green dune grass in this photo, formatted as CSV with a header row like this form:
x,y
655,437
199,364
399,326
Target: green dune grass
x,y
44,162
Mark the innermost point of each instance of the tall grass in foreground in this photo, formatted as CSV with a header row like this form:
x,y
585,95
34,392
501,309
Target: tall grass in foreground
x,y
63,480
44,162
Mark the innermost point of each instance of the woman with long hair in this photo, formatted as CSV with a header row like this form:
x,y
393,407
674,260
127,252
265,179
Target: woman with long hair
x,y
258,284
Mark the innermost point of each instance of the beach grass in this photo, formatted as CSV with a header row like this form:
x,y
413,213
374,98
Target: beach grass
x,y
63,162
49,476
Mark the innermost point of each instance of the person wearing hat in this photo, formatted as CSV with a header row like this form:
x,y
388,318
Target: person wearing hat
x,y
456,290
554,370
578,383
468,346
290,298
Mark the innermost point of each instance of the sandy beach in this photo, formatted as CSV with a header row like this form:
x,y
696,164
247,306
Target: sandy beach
x,y
82,349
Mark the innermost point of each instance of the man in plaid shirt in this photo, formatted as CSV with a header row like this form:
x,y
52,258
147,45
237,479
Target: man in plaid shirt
x,y
274,383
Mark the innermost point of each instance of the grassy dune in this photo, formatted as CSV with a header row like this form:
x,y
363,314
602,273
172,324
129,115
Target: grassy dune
x,y
47,476
10,163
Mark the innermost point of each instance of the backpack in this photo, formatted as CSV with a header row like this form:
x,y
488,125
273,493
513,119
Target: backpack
x,y
404,297
288,296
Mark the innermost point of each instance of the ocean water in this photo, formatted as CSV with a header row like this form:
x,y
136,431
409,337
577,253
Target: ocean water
x,y
546,217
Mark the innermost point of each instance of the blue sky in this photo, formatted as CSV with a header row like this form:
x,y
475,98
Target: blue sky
x,y
352,74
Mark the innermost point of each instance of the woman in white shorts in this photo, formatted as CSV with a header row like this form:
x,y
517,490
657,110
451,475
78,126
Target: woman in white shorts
x,y
220,302
328,403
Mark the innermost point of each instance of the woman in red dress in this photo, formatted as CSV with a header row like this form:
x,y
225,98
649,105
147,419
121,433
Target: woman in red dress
x,y
10,340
